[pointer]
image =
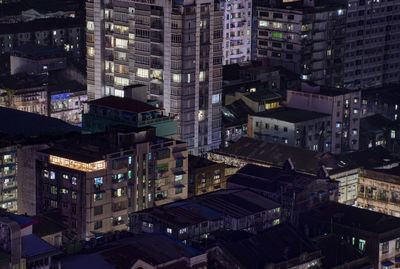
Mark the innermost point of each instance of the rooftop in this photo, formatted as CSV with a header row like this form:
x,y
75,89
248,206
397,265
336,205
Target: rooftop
x,y
126,104
34,51
199,162
351,216
336,252
235,113
374,123
291,115
45,225
29,124
35,247
152,248
270,178
276,245
252,150
40,25
211,206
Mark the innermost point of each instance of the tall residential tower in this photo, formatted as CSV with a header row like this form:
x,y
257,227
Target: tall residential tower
x,y
173,47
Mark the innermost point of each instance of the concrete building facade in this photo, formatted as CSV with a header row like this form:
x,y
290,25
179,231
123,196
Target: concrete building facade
x,y
237,31
372,44
341,104
293,127
173,48
97,181
306,37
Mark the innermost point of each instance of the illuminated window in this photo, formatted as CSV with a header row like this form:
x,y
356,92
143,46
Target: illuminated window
x,y
176,78
89,26
277,25
143,73
202,76
90,51
121,81
121,43
52,175
216,98
263,23
169,230
98,181
361,244
393,134
178,177
276,35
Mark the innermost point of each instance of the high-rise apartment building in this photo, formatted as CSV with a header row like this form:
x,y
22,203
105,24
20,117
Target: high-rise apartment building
x,y
96,180
237,31
306,37
173,47
372,54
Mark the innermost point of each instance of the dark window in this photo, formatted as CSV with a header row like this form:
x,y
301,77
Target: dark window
x,y
98,210
278,16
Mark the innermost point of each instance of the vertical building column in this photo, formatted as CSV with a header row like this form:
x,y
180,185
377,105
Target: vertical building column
x,y
98,90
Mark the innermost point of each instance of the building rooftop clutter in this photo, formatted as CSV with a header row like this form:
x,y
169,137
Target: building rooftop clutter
x,y
291,114
336,252
47,225
29,124
362,219
198,162
33,246
235,113
157,249
389,94
279,244
126,104
273,154
39,25
374,123
34,51
211,206
261,176
370,158
23,81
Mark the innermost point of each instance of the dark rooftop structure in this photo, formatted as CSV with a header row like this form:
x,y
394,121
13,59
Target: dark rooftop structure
x,y
198,162
235,113
29,124
351,216
280,246
126,104
337,252
34,51
255,151
291,114
40,25
154,248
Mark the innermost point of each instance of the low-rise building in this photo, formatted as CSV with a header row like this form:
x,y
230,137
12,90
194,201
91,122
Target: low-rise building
x,y
294,127
96,180
379,190
279,247
205,176
35,59
341,104
375,234
381,100
51,95
192,220
295,191
112,110
20,247
148,251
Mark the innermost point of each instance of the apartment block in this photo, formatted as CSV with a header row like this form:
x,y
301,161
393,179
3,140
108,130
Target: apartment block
x,y
372,44
237,31
64,33
205,176
294,127
306,37
175,48
96,180
341,104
